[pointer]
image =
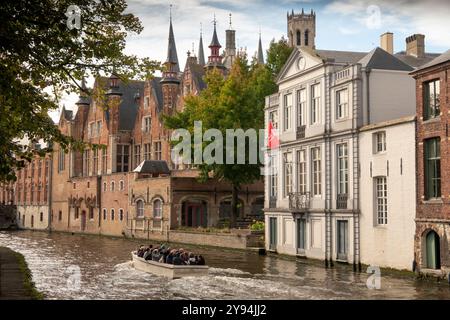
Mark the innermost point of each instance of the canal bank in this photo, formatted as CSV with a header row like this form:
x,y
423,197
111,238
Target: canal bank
x,y
15,278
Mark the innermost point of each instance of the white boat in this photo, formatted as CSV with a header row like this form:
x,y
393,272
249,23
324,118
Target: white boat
x,y
168,270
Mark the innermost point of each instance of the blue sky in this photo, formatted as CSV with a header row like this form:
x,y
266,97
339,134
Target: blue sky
x,y
353,25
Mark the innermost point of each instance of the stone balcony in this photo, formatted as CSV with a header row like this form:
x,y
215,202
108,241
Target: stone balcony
x,y
299,202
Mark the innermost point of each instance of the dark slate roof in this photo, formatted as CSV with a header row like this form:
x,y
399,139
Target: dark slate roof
x,y
157,92
340,56
153,167
380,59
413,61
198,72
129,106
438,60
215,40
67,114
260,55
201,53
172,56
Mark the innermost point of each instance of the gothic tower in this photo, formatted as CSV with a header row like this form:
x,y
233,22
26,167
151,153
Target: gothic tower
x,y
170,77
201,54
301,29
230,48
260,54
215,59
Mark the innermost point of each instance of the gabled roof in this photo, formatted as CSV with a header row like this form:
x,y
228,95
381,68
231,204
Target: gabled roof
x,y
438,60
197,73
153,167
380,59
348,57
66,114
157,92
414,61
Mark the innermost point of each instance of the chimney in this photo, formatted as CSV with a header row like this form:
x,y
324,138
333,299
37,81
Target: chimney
x,y
415,45
387,42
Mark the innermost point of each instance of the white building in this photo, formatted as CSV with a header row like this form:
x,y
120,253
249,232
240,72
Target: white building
x,y
313,203
388,193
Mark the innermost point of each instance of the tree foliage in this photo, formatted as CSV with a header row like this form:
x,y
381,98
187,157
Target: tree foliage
x,y
41,58
234,102
277,55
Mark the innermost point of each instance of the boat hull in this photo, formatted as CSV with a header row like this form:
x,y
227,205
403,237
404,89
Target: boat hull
x,y
168,270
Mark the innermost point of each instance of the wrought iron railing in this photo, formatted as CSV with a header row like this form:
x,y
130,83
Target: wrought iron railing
x,y
341,201
299,202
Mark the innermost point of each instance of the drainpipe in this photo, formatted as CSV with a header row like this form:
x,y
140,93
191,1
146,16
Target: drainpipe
x,y
49,192
368,93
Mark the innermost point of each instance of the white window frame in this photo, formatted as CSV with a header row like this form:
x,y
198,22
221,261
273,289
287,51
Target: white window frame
x,y
342,104
381,195
315,103
157,212
379,140
301,107
316,171
287,173
342,171
287,111
301,171
140,212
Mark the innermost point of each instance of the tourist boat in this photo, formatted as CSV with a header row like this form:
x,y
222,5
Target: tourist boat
x,y
168,270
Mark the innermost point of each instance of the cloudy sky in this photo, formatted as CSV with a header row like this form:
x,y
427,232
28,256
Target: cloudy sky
x,y
340,25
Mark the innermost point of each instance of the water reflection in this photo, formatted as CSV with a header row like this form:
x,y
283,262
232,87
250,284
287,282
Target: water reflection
x,y
105,272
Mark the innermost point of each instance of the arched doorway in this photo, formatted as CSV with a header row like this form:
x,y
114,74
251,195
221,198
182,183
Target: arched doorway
x,y
432,250
194,213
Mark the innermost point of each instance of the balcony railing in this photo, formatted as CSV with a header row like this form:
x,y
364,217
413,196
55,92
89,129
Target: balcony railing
x,y
301,132
272,202
299,202
341,201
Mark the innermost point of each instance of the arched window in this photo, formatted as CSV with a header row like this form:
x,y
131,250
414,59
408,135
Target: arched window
x,y
121,185
104,214
299,36
41,217
113,186
105,187
121,214
112,214
140,209
306,37
157,208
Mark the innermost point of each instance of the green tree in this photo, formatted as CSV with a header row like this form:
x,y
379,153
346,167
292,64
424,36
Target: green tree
x,y
234,102
277,55
39,54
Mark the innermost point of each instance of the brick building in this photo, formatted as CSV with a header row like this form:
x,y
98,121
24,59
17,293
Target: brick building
x,y
130,186
433,163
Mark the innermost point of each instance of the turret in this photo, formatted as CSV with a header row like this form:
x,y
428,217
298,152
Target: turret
x,y
230,48
215,60
301,29
201,54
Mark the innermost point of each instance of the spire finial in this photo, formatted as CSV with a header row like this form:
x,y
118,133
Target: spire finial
x,y
215,21
170,12
230,23
201,29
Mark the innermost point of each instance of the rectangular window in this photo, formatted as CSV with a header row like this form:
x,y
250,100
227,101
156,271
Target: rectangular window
x,y
123,157
147,151
342,239
137,155
381,199
146,102
95,160
47,167
342,168
104,161
287,103
432,155
92,130
273,188
99,128
61,160
273,117
287,164
316,171
301,107
431,100
158,151
379,142
301,171
315,103
39,169
146,124
46,192
301,234
86,162
342,104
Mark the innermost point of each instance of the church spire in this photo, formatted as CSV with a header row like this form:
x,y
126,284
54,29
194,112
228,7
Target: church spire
x,y
172,65
201,55
215,60
260,55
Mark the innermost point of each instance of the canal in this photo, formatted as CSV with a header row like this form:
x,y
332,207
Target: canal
x,y
66,266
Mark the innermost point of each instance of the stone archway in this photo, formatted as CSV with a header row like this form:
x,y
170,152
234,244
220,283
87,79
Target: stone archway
x,y
194,212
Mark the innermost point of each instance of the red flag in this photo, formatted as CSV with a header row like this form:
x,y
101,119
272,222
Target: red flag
x,y
273,141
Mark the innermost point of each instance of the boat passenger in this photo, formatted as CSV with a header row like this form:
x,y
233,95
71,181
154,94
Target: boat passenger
x,y
140,251
201,261
155,255
191,259
177,260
